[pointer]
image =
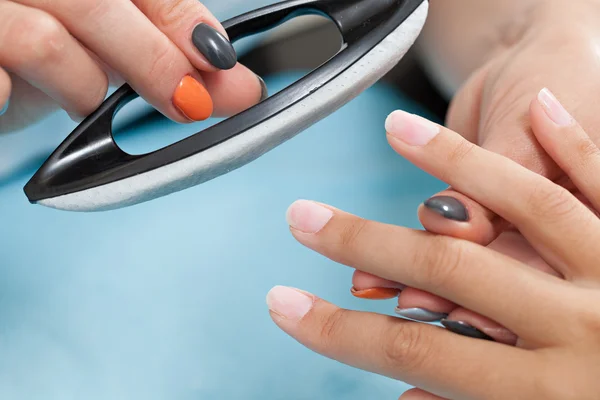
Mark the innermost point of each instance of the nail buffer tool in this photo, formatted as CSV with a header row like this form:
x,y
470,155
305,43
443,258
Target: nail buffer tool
x,y
89,172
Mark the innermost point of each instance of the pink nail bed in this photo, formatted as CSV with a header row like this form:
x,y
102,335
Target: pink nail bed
x,y
554,109
308,217
410,128
289,303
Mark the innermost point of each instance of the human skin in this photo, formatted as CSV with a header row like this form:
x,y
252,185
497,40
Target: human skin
x,y
65,54
555,318
492,57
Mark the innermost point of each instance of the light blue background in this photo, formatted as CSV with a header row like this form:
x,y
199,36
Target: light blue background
x,y
166,300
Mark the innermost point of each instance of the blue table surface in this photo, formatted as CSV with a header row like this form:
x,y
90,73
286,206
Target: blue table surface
x,y
166,300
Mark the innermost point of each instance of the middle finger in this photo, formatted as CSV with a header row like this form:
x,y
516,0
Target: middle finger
x,y
436,264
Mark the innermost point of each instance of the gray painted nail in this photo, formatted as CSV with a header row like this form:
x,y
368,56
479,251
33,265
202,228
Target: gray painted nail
x,y
420,314
214,46
464,329
264,90
5,107
448,207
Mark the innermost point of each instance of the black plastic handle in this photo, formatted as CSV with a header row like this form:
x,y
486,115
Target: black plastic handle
x,y
90,157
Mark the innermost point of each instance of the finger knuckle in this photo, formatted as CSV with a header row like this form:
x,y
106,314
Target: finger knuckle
x,y
42,39
163,58
332,326
457,155
174,13
93,97
587,322
89,10
587,149
439,262
350,234
549,201
405,347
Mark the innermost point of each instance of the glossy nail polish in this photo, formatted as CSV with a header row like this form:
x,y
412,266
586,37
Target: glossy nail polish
x,y
420,314
214,47
264,90
376,293
448,207
193,100
5,107
465,329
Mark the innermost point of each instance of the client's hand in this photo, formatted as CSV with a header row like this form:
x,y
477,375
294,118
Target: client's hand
x,y
556,319
553,43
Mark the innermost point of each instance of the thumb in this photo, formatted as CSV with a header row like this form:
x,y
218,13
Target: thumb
x,y
503,129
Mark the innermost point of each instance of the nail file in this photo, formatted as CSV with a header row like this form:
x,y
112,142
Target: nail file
x,y
89,172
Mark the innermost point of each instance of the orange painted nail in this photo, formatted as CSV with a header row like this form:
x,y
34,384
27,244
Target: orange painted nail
x,y
376,293
193,100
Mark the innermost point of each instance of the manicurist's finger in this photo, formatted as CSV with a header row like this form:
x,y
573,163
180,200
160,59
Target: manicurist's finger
x,y
204,42
126,40
37,47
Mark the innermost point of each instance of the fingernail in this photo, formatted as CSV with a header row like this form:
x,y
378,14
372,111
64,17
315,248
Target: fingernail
x,y
376,293
289,303
264,94
411,129
464,329
448,207
420,314
308,217
214,47
193,100
5,107
555,111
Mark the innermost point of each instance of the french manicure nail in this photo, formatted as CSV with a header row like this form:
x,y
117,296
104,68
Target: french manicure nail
x,y
193,100
554,109
214,46
289,303
420,314
308,217
5,107
448,207
264,94
376,293
464,329
411,129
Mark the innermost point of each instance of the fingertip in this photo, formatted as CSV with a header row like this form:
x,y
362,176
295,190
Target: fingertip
x,y
235,90
193,100
289,304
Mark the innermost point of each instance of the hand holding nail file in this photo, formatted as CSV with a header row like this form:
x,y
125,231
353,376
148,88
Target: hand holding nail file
x,y
88,171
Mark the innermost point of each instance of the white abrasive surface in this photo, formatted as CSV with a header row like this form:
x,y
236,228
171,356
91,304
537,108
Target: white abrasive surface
x,y
256,141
